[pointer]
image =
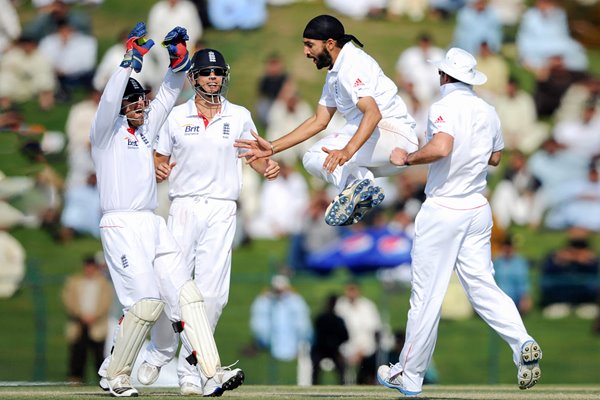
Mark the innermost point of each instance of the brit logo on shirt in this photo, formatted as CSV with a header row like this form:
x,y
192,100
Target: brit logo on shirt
x,y
226,130
132,142
190,129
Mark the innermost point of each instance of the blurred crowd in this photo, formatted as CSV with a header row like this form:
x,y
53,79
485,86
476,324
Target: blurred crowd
x,y
551,125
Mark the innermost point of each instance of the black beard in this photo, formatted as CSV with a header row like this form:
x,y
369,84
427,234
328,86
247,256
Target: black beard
x,y
324,60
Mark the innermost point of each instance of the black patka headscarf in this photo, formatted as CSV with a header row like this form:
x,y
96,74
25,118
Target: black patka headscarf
x,y
326,27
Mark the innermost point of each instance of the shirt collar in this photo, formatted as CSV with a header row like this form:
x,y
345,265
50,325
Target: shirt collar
x,y
192,111
340,58
451,87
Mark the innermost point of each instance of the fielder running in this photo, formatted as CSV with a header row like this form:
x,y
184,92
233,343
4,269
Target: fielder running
x,y
195,151
143,258
453,228
377,120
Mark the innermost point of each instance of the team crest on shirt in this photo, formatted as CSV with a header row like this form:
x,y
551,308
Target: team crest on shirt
x,y
190,129
226,130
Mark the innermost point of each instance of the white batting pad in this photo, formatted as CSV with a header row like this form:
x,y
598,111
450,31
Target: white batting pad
x,y
197,334
134,328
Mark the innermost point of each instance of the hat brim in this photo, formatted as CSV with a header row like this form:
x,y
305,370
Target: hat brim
x,y
477,78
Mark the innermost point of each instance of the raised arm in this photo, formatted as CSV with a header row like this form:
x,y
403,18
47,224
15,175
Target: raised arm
x,y
110,102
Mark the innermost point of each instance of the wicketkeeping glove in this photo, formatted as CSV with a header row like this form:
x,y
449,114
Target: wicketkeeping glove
x,y
137,46
175,43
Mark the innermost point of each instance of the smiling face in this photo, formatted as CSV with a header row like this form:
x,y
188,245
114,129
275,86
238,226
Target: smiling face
x,y
134,108
317,50
209,83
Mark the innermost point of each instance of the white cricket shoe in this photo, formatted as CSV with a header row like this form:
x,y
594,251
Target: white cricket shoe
x,y
148,373
103,383
353,203
529,371
189,389
393,382
225,379
121,387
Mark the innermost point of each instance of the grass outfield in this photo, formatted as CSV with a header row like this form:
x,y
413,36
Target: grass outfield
x,y
495,392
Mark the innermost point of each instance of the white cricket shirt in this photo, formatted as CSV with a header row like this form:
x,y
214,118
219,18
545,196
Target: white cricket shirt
x,y
475,127
207,162
123,157
356,74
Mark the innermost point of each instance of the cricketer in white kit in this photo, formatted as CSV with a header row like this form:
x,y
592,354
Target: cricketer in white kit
x,y
195,151
453,228
144,259
377,120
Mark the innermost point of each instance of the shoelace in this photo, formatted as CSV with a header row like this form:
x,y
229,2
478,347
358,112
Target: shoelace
x,y
228,367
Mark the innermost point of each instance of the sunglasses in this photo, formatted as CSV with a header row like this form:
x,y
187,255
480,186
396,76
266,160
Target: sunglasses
x,y
208,71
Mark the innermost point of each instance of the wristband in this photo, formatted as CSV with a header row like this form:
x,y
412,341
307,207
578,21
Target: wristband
x,y
272,148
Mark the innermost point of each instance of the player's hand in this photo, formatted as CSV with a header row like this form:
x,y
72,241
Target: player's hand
x,y
175,43
399,157
163,170
259,148
335,158
137,46
272,171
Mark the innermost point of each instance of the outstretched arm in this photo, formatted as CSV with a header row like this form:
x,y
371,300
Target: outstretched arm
x,y
261,148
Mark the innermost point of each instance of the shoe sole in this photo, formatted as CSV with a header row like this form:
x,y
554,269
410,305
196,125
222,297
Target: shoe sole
x,y
347,209
233,383
529,371
401,390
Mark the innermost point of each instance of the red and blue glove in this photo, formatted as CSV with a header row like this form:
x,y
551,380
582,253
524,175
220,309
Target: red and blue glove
x,y
137,46
175,43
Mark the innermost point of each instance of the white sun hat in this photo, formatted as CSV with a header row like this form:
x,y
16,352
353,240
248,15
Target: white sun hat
x,y
460,65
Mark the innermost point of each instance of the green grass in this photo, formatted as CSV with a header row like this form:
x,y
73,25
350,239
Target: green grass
x,y
32,344
496,392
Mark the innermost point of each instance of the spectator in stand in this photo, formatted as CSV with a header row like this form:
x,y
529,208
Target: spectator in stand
x,y
226,15
576,202
496,69
414,9
73,57
413,69
581,136
270,85
87,297
12,259
552,83
577,98
476,23
163,15
280,320
358,9
512,275
544,33
40,84
363,322
553,165
508,11
516,199
570,278
50,15
445,8
10,26
283,202
330,334
81,214
521,128
79,156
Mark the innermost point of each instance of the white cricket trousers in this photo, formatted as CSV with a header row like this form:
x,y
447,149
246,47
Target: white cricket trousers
x,y
371,160
143,258
448,239
204,228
